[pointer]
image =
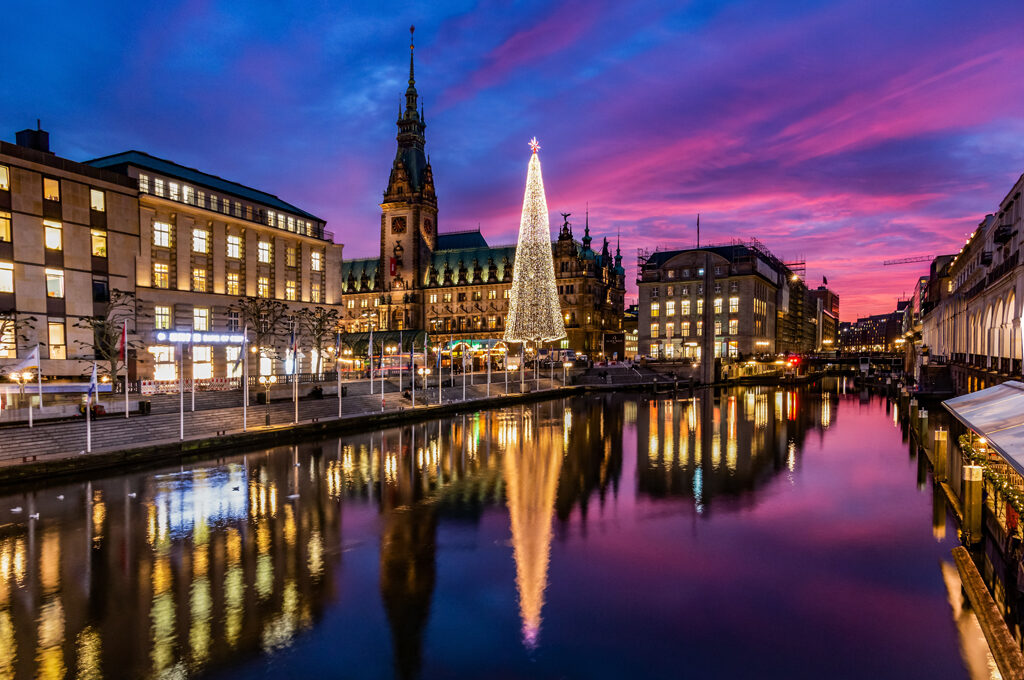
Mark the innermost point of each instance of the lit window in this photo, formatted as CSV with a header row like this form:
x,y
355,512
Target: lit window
x,y
655,310
433,298
351,304
53,235
8,348
447,297
189,194
201,319
51,189
684,307
718,328
232,283
314,291
700,306
700,328
316,261
684,328
6,277
202,362
200,241
233,321
670,308
175,194
164,366
161,275
291,223
54,283
158,186
654,330
144,183
263,286
99,243
734,326
199,280
718,305
264,251
5,178
289,290
363,304
271,217
506,293
234,366
56,340
161,318
238,209
734,305
234,247
201,198
5,226
291,256
162,234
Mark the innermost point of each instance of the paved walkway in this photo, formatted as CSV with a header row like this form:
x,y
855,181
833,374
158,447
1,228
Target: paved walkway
x,y
221,412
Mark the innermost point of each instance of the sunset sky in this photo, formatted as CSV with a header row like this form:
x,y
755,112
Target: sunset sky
x,y
845,133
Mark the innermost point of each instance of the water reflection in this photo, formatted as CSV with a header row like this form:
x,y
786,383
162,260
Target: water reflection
x,y
197,570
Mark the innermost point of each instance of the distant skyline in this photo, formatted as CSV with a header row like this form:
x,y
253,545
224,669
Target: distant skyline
x,y
845,133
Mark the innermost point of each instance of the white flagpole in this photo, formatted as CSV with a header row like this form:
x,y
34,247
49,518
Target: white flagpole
x,y
488,370
21,386
181,391
124,344
192,380
401,364
439,374
245,379
88,413
412,361
463,372
337,369
295,372
506,369
39,380
370,352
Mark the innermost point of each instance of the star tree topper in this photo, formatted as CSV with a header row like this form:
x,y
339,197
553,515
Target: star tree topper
x,y
534,145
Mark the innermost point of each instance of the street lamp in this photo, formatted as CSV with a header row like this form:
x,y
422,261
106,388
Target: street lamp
x,y
267,381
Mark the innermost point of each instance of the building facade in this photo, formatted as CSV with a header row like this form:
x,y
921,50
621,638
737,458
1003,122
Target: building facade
x,y
455,285
975,322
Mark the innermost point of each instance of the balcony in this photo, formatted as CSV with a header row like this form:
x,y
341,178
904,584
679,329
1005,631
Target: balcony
x,y
1003,233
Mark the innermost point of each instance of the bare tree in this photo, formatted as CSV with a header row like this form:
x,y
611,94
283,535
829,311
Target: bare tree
x,y
318,324
106,331
266,319
13,331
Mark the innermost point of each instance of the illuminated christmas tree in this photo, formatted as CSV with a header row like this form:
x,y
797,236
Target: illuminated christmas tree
x,y
534,313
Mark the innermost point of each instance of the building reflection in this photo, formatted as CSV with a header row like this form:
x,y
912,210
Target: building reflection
x,y
724,444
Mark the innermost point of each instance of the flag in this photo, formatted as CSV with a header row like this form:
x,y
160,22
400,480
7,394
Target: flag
x,y
31,361
241,353
824,280
295,350
93,386
122,351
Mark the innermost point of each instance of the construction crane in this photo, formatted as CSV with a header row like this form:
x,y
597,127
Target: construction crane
x,y
908,260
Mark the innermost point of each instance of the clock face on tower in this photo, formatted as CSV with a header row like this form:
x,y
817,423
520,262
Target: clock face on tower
x,y
398,225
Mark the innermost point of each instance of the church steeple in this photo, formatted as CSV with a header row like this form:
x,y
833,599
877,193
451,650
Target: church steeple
x,y
410,168
410,92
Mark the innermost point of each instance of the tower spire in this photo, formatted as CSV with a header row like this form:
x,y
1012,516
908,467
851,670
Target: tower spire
x,y
412,48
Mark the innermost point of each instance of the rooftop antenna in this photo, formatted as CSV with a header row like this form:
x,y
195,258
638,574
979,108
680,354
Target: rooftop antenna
x,y
698,230
39,125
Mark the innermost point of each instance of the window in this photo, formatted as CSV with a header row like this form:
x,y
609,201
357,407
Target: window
x,y
670,308
101,289
201,319
201,198
507,291
314,291
162,234
271,217
158,186
144,183
700,271
51,189
234,247
164,367
263,286
654,330
461,297
200,241
234,366
189,194
700,306
199,280
97,200
99,243
669,329
655,310
291,256
718,328
718,288
700,328
433,298
234,321
351,304
53,235
238,209
684,307
161,318
734,326
291,223
202,363
264,251
684,329
654,291
5,226
55,338
669,290
175,194
362,304
316,261
6,277
447,297
670,274
54,283
5,178
718,305
734,305
232,283
290,292
8,348
477,295
161,275
492,294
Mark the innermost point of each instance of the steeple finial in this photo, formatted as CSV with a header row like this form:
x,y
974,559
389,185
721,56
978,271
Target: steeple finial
x,y
412,47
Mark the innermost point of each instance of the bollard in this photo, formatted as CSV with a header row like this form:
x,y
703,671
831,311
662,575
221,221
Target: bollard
x,y
922,428
913,411
940,454
972,503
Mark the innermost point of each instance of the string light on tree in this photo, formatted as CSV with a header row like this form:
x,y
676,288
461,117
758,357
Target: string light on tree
x,y
534,313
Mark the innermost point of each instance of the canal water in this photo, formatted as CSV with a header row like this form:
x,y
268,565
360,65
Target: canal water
x,y
751,532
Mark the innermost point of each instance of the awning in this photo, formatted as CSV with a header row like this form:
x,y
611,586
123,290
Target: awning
x,y
479,344
358,342
997,414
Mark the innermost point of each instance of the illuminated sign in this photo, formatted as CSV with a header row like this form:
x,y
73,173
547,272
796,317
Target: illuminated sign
x,y
200,338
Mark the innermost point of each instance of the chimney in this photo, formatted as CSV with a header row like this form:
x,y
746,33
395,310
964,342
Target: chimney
x,y
38,139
